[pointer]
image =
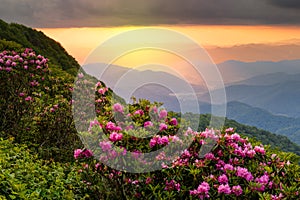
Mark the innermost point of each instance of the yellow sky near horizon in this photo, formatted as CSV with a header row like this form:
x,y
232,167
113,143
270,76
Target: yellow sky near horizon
x,y
79,42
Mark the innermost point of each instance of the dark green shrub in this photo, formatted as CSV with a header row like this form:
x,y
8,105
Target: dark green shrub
x,y
24,176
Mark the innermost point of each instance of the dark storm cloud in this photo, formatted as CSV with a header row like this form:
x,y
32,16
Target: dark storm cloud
x,y
85,13
286,3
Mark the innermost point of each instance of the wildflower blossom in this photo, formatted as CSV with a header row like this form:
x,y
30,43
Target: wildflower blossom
x,y
202,191
237,190
163,127
114,136
148,123
174,122
223,179
118,108
224,189
163,114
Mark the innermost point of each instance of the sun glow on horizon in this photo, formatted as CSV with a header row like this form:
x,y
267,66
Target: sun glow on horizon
x,y
79,42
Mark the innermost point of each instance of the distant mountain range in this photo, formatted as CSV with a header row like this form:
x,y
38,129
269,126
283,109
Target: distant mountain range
x,y
234,71
273,86
152,85
263,119
279,95
266,95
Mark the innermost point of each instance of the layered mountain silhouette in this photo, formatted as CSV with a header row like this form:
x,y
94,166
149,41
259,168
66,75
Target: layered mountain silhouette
x,y
261,94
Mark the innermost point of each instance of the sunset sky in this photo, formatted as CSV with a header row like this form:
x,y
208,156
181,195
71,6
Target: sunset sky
x,y
245,43
229,29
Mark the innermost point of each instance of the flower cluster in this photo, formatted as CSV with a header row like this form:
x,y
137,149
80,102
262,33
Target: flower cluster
x,y
234,168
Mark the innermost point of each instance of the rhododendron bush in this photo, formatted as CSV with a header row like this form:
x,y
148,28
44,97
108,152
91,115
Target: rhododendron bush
x,y
35,106
133,151
234,168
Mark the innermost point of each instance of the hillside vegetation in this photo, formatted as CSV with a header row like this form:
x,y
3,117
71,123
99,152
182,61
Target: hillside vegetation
x,y
13,36
42,155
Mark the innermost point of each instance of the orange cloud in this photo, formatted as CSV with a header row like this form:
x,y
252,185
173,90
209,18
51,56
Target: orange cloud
x,y
222,42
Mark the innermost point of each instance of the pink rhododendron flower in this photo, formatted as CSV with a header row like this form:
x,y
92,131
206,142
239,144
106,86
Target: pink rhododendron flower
x,y
163,114
29,98
112,127
223,179
228,167
8,62
139,112
98,84
209,156
275,197
163,127
174,122
118,108
172,185
114,137
161,156
34,83
229,130
80,75
148,181
224,189
186,154
148,123
102,91
237,190
164,140
154,109
235,137
175,138
77,153
94,123
260,150
153,141
105,145
263,181
201,191
244,173
251,153
136,154
130,127
87,153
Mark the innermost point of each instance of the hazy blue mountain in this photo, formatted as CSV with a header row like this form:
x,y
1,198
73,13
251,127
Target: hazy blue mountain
x,y
281,98
263,119
152,85
234,71
269,79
